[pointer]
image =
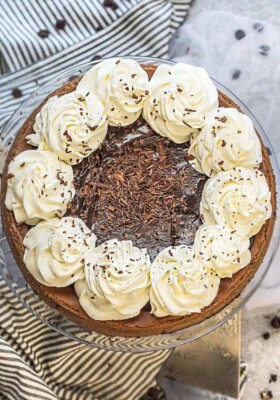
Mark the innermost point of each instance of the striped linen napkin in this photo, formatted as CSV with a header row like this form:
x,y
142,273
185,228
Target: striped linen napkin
x,y
40,39
33,49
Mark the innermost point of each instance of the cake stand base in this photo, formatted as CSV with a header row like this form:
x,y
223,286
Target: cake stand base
x,y
209,364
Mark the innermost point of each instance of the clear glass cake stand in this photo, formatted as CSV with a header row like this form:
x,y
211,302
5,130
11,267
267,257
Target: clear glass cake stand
x,y
15,280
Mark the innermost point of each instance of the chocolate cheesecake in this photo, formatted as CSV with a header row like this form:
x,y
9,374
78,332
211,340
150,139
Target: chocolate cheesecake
x,y
136,186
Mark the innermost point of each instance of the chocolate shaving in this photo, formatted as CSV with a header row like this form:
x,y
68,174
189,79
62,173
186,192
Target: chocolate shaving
x,y
141,189
92,128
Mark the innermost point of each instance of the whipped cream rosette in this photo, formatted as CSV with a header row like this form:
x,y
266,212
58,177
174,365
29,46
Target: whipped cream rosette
x,y
239,199
55,250
227,140
224,250
180,283
121,85
39,186
180,97
72,126
116,282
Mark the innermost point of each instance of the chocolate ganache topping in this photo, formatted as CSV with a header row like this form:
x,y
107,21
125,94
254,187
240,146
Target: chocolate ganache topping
x,y
139,186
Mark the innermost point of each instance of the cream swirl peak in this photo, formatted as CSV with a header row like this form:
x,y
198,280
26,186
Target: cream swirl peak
x,y
180,283
224,250
55,250
239,199
116,282
121,85
72,126
180,97
39,186
227,140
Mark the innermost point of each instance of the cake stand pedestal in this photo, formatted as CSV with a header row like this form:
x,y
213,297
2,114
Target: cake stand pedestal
x,y
208,365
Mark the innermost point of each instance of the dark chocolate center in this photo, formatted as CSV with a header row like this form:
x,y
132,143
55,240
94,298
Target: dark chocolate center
x,y
139,186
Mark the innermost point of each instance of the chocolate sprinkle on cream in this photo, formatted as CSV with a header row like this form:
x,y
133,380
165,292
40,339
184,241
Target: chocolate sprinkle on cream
x,y
266,335
275,322
266,395
273,378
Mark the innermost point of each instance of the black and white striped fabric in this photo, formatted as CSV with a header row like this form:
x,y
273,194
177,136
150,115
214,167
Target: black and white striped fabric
x,y
36,362
135,27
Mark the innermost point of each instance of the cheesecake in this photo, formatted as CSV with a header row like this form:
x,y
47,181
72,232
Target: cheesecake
x,y
154,204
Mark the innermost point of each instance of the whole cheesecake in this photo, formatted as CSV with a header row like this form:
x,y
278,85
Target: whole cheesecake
x,y
136,186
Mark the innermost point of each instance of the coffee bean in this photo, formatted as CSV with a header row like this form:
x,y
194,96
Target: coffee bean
x,y
111,4
43,33
264,49
60,24
153,394
236,74
17,93
239,34
258,27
